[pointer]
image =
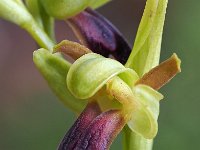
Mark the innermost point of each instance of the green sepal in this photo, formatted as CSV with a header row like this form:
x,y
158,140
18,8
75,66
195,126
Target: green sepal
x,y
91,72
54,69
146,51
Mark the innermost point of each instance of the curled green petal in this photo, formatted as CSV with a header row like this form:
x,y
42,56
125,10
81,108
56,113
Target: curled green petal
x,y
54,69
144,120
90,73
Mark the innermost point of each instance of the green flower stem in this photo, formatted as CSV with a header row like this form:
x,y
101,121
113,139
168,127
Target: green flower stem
x,y
16,12
39,35
48,23
45,21
145,55
34,8
133,141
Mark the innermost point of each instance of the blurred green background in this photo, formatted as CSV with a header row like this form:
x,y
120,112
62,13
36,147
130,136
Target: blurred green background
x,y
32,118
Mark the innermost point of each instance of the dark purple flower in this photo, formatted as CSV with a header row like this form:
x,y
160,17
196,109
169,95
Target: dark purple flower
x,y
100,35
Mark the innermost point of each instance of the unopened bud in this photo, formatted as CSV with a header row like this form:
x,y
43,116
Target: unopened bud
x,y
99,35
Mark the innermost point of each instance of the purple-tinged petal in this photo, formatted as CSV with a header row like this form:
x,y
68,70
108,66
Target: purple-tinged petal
x,y
92,130
100,35
102,131
74,134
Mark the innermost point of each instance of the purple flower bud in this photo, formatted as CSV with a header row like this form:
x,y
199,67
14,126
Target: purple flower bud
x,y
99,35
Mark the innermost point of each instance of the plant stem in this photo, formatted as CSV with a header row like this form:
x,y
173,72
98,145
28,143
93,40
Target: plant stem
x,y
45,21
16,12
133,141
39,35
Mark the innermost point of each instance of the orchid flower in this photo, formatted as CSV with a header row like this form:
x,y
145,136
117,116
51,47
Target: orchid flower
x,y
115,91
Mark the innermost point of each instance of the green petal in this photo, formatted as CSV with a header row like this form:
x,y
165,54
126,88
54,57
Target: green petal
x,y
54,69
91,72
144,119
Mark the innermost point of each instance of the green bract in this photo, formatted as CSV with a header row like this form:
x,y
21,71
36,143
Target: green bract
x,y
140,103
